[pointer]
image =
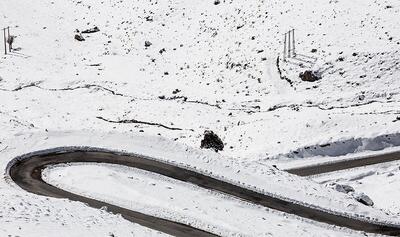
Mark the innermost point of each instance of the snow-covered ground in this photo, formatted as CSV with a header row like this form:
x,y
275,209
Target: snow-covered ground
x,y
212,54
24,214
379,182
208,66
263,179
163,197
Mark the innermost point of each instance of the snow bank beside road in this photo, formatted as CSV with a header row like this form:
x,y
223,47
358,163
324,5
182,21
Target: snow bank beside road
x,y
28,215
379,182
345,147
167,198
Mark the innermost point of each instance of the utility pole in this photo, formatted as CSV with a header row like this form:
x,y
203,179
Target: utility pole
x,y
289,50
8,32
5,41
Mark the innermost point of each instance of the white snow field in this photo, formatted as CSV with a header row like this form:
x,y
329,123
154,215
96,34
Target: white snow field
x,y
196,65
379,182
164,197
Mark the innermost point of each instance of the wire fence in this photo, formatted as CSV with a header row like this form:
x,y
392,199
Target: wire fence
x,y
289,45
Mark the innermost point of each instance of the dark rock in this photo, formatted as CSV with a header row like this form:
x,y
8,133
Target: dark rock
x,y
343,188
211,141
216,2
364,199
79,37
10,41
313,50
325,145
147,44
309,76
340,59
91,30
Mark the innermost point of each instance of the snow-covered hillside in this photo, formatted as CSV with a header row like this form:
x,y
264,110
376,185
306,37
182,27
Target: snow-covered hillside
x,y
208,66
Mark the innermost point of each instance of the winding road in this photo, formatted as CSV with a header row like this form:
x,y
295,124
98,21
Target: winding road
x,y
344,164
27,173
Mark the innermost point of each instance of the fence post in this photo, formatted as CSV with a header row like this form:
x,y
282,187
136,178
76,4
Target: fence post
x,y
294,45
284,48
5,40
289,46
8,33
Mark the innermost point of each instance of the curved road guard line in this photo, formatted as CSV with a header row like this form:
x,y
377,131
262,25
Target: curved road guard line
x,y
344,164
26,171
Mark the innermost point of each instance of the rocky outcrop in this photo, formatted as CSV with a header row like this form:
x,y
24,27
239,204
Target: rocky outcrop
x,y
211,141
343,188
364,199
310,76
79,37
91,30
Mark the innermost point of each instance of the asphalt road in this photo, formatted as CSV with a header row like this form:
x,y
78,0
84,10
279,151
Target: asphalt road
x,y
27,173
344,164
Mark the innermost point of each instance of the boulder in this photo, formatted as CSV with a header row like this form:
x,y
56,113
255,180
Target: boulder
x,y
364,199
79,37
211,141
343,188
309,76
91,30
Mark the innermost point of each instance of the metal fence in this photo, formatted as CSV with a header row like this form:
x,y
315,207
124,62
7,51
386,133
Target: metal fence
x,y
289,45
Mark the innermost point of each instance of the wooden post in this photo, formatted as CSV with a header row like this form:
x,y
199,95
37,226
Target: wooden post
x,y
294,45
284,48
5,41
289,46
9,46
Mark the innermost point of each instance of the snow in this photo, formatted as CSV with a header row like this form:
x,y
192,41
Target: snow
x,y
25,214
221,58
251,131
264,179
379,182
167,198
336,152
346,147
